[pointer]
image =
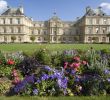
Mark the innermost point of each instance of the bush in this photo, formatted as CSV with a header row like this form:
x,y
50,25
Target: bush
x,y
43,56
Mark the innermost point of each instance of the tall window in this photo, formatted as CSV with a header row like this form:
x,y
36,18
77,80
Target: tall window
x,y
90,21
104,21
89,30
38,31
97,21
39,38
104,30
10,20
97,30
19,30
3,20
18,21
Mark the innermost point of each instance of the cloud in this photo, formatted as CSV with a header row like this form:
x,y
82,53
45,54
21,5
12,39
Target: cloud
x,y
106,7
3,5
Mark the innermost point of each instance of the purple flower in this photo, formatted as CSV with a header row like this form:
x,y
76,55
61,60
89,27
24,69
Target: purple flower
x,y
44,77
106,71
62,83
73,72
48,68
108,79
52,76
29,79
35,92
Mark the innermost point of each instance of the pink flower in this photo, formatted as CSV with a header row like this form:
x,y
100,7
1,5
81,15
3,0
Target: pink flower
x,y
76,58
76,65
84,62
65,65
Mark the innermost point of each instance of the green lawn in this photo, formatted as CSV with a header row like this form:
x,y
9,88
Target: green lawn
x,y
30,48
56,98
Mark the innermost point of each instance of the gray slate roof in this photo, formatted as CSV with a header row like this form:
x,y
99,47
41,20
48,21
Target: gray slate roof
x,y
12,11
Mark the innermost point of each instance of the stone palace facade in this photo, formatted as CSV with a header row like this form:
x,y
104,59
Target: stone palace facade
x,y
92,27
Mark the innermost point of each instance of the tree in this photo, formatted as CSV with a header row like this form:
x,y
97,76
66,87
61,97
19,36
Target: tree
x,y
13,38
108,35
32,38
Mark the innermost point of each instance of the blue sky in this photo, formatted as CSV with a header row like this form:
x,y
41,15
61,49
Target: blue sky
x,y
65,9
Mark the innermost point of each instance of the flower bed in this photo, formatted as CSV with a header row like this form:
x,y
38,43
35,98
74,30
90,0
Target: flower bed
x,y
68,73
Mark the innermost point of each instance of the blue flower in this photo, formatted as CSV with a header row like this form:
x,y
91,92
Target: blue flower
x,y
30,79
35,92
48,68
108,79
44,77
106,71
62,83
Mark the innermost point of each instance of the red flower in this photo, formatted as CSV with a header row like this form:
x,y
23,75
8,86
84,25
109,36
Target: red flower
x,y
10,62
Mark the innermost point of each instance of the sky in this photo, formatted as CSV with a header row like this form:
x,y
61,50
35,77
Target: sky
x,y
67,10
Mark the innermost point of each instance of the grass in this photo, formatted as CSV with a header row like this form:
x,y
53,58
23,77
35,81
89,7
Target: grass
x,y
30,48
56,98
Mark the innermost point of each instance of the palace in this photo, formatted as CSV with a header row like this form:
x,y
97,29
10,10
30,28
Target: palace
x,y
92,27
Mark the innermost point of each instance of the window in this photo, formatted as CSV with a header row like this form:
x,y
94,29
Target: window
x,y
45,32
104,30
90,39
11,30
64,38
19,30
70,38
97,21
55,32
54,38
10,20
103,39
97,30
104,21
18,21
89,30
38,31
90,21
39,39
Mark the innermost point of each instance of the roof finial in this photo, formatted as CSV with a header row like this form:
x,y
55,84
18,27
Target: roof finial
x,y
54,13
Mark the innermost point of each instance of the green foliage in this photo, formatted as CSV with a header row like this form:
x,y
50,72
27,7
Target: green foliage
x,y
5,85
32,38
13,38
43,56
5,71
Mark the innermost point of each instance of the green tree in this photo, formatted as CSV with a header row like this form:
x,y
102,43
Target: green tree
x,y
13,38
32,38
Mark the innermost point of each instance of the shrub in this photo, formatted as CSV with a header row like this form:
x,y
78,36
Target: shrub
x,y
5,85
43,56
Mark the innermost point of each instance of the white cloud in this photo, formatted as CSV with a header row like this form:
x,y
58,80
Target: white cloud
x,y
3,5
106,7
